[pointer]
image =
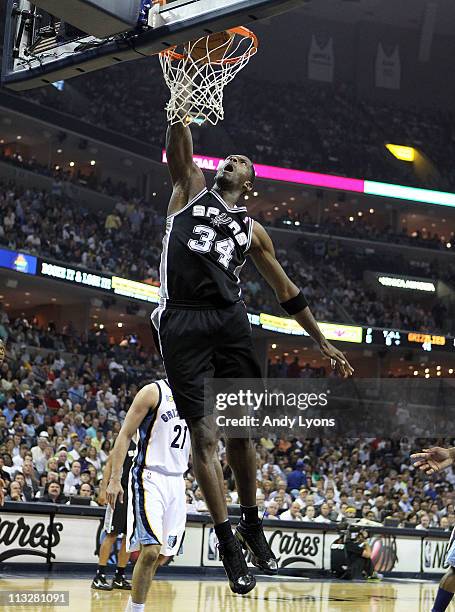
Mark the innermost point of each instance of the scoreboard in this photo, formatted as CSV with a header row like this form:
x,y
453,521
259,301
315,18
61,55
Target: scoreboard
x,y
404,339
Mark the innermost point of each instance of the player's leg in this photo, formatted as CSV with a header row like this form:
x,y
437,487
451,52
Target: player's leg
x,y
186,341
206,466
445,592
144,530
100,581
120,581
235,359
143,573
207,469
241,457
119,521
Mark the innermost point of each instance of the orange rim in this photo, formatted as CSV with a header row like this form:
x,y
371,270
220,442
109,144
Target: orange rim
x,y
240,30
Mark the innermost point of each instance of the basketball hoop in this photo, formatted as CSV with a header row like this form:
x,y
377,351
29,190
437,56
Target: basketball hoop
x,y
198,72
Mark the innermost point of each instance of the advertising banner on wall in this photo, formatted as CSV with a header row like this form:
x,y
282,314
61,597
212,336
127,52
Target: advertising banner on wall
x,y
27,538
65,538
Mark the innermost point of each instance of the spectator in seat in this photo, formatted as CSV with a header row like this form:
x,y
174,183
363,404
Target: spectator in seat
x,y
260,502
302,498
310,514
15,492
424,521
272,511
39,454
324,513
86,490
53,494
297,478
293,514
73,479
30,477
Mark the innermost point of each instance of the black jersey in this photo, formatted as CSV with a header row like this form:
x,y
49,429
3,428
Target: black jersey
x,y
203,252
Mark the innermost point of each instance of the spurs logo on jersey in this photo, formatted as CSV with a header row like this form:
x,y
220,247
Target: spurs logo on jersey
x,y
220,219
204,250
163,438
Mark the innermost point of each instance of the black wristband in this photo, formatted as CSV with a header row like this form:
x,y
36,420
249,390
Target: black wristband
x,y
295,304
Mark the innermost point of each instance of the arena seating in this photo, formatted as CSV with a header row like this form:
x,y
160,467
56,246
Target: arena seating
x,y
60,410
335,132
102,241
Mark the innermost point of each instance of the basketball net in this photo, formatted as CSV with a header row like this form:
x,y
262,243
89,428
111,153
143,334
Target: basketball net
x,y
197,83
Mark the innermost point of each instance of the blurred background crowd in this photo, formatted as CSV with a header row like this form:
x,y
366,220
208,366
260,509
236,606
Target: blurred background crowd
x,y
63,399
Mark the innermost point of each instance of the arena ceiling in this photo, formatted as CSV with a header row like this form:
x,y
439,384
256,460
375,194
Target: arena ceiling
x,y
403,13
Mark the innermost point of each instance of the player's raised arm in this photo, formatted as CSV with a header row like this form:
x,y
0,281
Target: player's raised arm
x,y
187,178
145,400
290,296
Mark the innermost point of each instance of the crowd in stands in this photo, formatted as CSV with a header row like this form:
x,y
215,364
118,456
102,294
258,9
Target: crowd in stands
x,y
359,228
61,410
63,179
297,221
305,127
127,241
331,278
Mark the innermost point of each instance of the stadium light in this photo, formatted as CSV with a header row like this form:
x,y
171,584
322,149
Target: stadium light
x,y
413,194
402,153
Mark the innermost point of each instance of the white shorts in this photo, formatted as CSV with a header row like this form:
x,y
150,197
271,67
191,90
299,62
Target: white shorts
x,y
156,511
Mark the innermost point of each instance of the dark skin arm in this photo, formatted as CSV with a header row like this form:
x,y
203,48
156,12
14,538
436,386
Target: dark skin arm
x,y
263,254
434,459
187,178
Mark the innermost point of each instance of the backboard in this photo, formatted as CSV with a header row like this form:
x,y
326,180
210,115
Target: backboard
x,y
50,40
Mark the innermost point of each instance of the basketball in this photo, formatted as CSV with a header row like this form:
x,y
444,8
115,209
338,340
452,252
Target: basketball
x,y
212,49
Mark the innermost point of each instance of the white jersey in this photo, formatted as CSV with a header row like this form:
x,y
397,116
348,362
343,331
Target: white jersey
x,y
163,437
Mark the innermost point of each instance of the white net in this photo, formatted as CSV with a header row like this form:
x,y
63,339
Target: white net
x,y
198,73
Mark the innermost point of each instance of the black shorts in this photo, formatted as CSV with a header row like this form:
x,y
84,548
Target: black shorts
x,y
120,513
203,344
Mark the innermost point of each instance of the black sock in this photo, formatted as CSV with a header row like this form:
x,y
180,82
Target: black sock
x,y
249,514
442,601
224,531
120,571
101,569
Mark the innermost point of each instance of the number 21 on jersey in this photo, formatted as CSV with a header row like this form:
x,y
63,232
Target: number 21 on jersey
x,y
206,241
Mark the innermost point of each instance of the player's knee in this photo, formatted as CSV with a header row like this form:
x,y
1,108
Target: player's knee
x,y
150,554
448,580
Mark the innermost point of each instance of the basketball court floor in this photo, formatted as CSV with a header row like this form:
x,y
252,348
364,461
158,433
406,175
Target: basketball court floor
x,y
196,595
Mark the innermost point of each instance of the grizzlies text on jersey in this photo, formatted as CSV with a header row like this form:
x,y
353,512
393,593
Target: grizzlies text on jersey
x,y
204,251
